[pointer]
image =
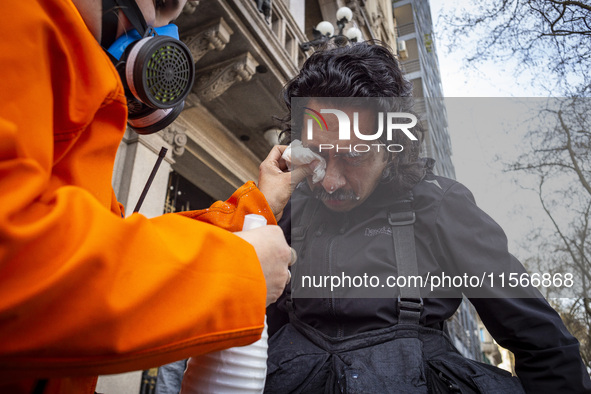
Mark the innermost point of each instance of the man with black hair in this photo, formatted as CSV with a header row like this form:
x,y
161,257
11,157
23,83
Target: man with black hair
x,y
83,290
384,212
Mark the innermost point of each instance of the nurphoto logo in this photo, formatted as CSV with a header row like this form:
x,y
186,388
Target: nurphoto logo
x,y
392,124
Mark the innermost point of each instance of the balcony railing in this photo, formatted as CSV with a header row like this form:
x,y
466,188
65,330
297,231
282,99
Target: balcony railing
x,y
411,66
420,106
287,32
403,30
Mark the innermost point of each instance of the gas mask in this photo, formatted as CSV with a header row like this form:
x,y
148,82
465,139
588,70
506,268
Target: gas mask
x,y
156,68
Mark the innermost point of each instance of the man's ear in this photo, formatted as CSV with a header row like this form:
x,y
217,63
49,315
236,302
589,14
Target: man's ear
x,y
386,172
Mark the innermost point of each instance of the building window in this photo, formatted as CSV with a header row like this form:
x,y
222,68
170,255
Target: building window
x,y
184,196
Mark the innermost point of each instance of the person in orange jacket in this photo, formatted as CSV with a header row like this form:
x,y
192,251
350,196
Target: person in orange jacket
x,y
83,290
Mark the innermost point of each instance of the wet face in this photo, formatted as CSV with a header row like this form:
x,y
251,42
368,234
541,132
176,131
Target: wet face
x,y
351,176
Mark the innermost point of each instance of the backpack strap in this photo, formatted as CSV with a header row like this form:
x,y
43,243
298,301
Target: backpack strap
x,y
301,224
401,217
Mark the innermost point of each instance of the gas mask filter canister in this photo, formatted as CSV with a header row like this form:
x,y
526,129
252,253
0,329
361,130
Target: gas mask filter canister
x,y
157,71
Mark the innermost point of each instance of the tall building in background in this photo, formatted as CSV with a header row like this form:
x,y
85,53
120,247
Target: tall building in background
x,y
418,56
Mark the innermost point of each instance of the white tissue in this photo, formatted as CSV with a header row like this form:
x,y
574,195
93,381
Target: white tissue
x,y
296,154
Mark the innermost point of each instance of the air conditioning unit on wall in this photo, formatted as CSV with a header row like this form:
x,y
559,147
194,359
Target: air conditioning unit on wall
x,y
402,52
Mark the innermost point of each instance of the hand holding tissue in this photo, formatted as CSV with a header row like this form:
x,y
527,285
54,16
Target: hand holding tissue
x,y
296,155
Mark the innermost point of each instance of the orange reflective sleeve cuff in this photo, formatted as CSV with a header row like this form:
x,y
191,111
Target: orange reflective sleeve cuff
x,y
229,214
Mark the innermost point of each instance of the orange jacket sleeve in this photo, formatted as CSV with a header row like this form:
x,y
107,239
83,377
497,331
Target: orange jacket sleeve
x,y
82,290
230,214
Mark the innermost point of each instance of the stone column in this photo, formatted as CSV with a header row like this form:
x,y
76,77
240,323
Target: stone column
x,y
125,383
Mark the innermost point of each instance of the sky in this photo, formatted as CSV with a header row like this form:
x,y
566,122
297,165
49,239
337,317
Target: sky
x,y
485,129
491,80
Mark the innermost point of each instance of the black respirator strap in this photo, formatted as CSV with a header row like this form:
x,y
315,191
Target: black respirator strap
x,y
110,23
134,14
111,19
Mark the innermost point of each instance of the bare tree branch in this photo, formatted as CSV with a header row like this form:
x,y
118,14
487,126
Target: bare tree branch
x,y
572,155
546,37
570,2
585,272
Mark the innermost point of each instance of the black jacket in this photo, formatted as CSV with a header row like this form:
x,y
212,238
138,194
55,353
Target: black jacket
x,y
451,235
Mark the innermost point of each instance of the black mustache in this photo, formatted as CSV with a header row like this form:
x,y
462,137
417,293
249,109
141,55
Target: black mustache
x,y
339,195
